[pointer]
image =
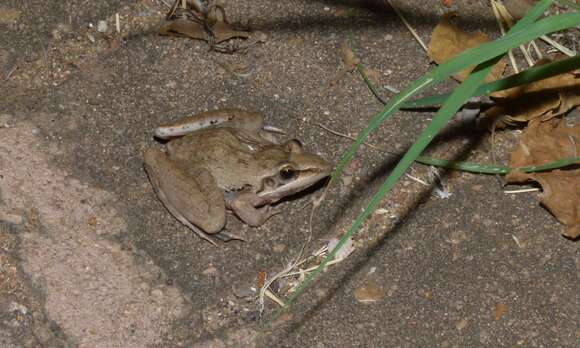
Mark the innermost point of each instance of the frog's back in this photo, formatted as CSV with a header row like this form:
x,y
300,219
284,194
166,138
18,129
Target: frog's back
x,y
230,160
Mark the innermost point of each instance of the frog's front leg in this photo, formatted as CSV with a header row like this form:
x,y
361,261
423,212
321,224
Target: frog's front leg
x,y
193,197
245,206
234,118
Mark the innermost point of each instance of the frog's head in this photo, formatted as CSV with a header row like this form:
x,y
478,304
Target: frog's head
x,y
293,173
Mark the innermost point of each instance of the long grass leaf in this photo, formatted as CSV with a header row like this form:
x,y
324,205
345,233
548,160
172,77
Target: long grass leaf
x,y
527,76
473,56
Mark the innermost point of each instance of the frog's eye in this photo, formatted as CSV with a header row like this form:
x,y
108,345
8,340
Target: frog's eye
x,y
288,173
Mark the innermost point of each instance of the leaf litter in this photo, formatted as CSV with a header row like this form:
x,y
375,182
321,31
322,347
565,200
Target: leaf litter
x,y
543,99
209,24
447,41
541,105
542,143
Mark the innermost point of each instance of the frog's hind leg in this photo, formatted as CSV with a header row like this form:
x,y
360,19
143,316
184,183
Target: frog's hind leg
x,y
193,199
235,118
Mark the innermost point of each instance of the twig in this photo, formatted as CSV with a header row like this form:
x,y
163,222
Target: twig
x,y
413,32
509,20
558,46
416,179
521,190
390,153
502,30
117,22
164,3
264,290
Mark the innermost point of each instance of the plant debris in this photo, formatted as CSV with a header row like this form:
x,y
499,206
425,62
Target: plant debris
x,y
348,57
447,41
369,292
546,142
208,24
499,311
543,99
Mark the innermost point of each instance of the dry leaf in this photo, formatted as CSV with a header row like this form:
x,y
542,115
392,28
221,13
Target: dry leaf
x,y
348,57
542,143
213,27
184,27
499,311
542,99
447,41
222,31
92,221
369,292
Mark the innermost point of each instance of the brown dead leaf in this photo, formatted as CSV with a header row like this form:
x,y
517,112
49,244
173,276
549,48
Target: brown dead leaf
x,y
222,31
184,27
369,292
447,41
348,56
542,143
92,221
543,99
499,311
211,26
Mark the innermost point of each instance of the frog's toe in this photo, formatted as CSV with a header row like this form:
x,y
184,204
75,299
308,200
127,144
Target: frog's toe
x,y
226,237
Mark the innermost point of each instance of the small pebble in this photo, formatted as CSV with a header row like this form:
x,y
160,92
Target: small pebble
x,y
102,27
17,307
211,270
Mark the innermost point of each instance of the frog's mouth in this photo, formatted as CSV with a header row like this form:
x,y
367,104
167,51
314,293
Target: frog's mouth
x,y
277,187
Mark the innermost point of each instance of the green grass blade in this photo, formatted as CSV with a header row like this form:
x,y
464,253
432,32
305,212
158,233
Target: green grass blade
x,y
494,169
487,54
564,162
463,166
469,58
445,113
527,76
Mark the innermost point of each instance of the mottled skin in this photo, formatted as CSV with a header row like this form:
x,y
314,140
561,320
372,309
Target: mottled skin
x,y
225,159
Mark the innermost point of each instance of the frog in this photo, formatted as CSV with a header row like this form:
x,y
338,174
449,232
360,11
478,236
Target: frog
x,y
227,160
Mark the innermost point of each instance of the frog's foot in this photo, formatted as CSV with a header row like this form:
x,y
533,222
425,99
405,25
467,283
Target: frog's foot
x,y
226,237
244,206
192,227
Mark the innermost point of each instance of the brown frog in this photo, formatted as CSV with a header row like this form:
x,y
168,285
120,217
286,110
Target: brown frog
x,y
227,159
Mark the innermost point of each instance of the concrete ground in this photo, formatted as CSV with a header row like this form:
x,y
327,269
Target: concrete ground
x,y
89,257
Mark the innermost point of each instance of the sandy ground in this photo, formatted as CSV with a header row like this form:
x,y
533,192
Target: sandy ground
x,y
90,258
